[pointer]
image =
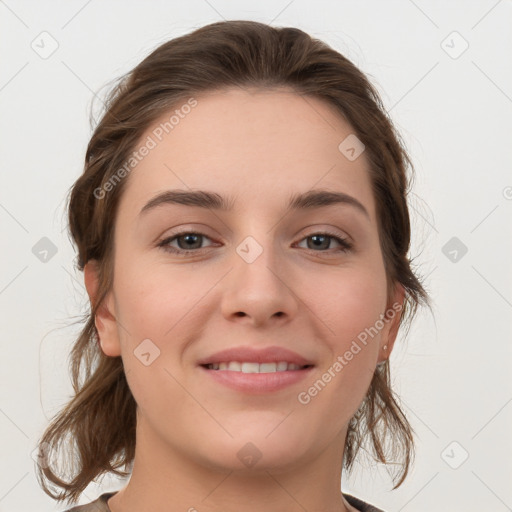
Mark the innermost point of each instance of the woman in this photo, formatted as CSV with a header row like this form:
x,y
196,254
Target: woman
x,y
243,229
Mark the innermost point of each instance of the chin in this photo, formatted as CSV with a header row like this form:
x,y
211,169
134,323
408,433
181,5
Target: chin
x,y
255,450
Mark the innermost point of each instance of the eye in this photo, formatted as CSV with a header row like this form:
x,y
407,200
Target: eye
x,y
323,240
187,241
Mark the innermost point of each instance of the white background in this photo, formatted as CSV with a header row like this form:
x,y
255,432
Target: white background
x,y
453,371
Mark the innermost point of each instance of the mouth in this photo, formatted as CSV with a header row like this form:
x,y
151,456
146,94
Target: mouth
x,y
254,370
251,378
254,367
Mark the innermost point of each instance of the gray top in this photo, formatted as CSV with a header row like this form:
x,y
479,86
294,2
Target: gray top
x,y
100,504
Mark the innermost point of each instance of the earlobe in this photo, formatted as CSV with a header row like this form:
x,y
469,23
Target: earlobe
x,y
104,320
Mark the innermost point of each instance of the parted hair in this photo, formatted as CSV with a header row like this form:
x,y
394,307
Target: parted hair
x,y
94,433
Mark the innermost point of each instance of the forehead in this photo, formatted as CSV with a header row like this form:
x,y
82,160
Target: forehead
x,y
258,145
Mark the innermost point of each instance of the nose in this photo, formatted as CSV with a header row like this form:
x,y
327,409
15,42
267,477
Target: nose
x,y
259,291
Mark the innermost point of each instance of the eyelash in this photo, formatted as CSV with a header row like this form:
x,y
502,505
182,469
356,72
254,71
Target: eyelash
x,y
346,246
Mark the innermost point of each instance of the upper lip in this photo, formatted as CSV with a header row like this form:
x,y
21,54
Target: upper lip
x,y
253,355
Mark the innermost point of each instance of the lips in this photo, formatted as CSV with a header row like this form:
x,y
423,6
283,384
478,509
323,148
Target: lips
x,y
252,355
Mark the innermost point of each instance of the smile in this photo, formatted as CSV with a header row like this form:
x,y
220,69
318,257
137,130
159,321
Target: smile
x,y
255,378
251,367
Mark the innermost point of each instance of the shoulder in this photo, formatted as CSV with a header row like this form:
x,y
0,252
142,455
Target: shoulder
x,y
98,505
361,505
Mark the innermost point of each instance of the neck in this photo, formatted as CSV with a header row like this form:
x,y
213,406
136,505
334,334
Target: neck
x,y
165,479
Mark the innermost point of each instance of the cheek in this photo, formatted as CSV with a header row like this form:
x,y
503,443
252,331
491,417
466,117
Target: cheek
x,y
155,309
159,309
155,300
351,303
349,307
347,301
345,313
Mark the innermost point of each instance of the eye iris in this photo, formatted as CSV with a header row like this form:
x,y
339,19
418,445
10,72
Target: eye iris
x,y
320,241
190,237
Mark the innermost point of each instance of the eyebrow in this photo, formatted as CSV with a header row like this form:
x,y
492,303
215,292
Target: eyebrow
x,y
211,200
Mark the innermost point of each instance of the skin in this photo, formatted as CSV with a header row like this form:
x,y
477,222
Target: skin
x,y
257,146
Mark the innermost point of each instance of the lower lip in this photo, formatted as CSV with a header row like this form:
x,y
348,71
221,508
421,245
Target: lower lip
x,y
257,382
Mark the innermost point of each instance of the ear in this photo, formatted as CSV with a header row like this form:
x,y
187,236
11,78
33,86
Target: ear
x,y
391,321
104,320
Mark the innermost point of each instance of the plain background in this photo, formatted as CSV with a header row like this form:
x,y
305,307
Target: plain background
x,y
453,107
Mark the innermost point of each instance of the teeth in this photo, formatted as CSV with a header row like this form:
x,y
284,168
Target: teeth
x,y
249,368
246,367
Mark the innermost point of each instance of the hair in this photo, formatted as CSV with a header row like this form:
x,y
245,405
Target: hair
x,y
99,422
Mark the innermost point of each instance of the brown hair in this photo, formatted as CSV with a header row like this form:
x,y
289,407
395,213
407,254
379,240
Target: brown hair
x,y
99,422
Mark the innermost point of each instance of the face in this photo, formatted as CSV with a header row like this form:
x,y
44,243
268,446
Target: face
x,y
190,281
